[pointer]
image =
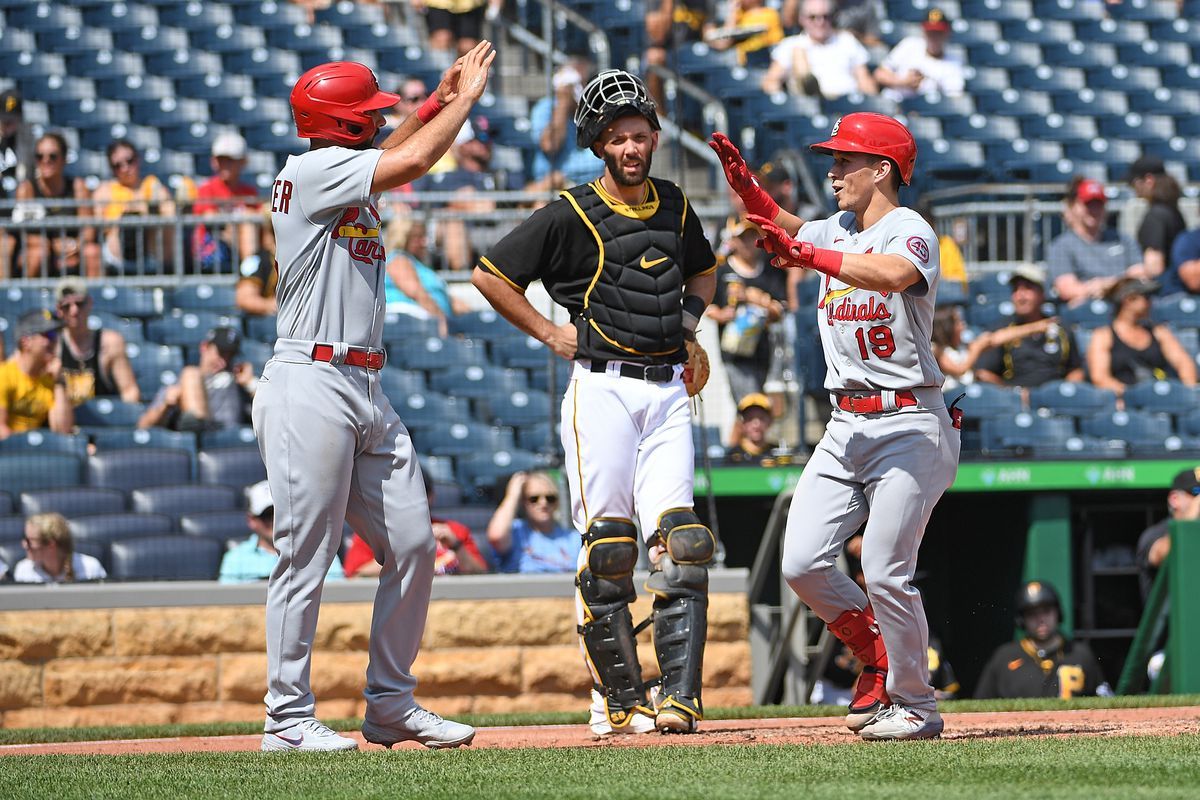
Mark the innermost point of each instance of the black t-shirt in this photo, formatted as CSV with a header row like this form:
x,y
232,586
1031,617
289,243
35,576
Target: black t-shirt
x,y
555,246
1146,572
1019,669
260,269
1034,360
731,287
1159,228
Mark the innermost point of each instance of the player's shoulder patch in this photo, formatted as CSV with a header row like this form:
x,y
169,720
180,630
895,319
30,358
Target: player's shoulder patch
x,y
919,248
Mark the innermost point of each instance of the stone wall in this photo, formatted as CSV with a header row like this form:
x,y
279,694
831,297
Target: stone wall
x,y
202,664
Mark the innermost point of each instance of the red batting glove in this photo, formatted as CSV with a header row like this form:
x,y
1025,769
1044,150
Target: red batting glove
x,y
791,254
738,176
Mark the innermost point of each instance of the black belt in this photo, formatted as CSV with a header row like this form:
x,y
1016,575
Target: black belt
x,y
654,373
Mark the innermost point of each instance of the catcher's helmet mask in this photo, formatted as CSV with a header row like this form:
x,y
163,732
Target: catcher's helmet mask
x,y
873,134
612,94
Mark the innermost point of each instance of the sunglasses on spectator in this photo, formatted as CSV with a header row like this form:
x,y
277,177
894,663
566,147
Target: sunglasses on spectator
x,y
537,498
128,162
414,98
818,16
67,304
31,543
50,156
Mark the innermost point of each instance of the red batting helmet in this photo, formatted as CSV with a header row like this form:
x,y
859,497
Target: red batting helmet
x,y
876,134
331,102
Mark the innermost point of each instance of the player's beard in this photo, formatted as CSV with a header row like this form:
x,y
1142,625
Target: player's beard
x,y
614,168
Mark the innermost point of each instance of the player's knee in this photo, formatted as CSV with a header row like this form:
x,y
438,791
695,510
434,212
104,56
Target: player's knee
x,y
803,569
884,574
690,547
606,579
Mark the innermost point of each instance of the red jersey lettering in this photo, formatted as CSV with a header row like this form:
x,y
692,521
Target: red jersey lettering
x,y
281,197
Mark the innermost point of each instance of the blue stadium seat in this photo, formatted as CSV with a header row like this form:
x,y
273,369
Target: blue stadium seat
x,y
540,378
998,10
1129,79
986,399
1060,127
989,314
273,14
127,301
232,466
1110,31
21,472
435,353
1092,314
110,527
463,439
1073,398
15,301
137,467
938,106
426,409
539,437
987,79
241,436
483,471
1015,102
183,64
167,46
110,439
440,470
108,412
1044,78
520,408
1152,53
1006,54
195,16
1133,427
224,526
521,352
188,498
44,441
1178,310
120,16
154,356
171,558
1137,126
1081,55
478,382
1024,431
204,297
187,328
1146,11
1186,28
1050,33
6,503
480,324
74,501
982,128
1085,447
261,329
404,328
1161,99
11,550
1106,102
398,383
1169,396
44,17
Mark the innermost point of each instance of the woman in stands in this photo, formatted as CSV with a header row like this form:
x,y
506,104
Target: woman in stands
x,y
956,359
1132,349
50,555
128,194
413,286
57,250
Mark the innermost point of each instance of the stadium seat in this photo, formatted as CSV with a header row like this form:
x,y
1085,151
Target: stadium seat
x,y
463,439
1005,54
44,17
73,502
127,301
986,400
15,301
1178,309
44,441
1106,102
478,382
107,412
1169,396
522,352
425,409
12,526
232,466
484,324
188,498
109,439
1072,398
440,470
1189,423
520,408
1023,432
261,329
6,503
1050,33
139,467
484,471
224,526
1109,31
20,472
11,551
167,50
110,527
445,493
172,558
187,328
1024,102
399,383
205,297
1081,55
1132,427
990,313
1092,314
1085,447
1060,127
435,353
154,357
241,436
539,437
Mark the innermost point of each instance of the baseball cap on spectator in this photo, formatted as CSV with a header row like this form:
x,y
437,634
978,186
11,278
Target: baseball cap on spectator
x,y
229,145
258,498
226,339
1187,481
1089,190
1145,165
1128,287
773,172
936,20
38,321
1028,272
10,104
69,287
755,400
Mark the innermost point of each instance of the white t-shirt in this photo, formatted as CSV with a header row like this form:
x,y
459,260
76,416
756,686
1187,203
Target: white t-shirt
x,y
942,75
86,569
832,62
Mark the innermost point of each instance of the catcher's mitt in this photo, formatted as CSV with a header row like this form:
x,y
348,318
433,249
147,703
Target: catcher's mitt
x,y
695,372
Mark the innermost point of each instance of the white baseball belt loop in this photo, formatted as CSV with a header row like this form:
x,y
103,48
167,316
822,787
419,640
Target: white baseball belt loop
x,y
887,400
340,351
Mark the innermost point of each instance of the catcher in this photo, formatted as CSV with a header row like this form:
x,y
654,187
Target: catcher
x,y
626,256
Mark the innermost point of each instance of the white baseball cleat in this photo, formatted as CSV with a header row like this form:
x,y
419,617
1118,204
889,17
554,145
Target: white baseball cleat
x,y
420,725
900,722
600,726
857,720
309,735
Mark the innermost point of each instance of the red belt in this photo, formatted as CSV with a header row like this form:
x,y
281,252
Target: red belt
x,y
873,403
355,356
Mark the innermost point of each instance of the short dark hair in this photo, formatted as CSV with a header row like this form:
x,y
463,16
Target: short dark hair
x,y
57,138
117,144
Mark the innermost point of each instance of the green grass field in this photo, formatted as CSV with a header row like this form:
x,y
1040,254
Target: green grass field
x,y
1079,768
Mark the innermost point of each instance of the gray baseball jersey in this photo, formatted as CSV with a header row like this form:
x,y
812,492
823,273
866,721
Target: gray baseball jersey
x,y
330,254
878,340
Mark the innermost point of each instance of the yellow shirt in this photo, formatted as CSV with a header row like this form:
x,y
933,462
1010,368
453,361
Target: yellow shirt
x,y
27,400
122,199
771,36
953,267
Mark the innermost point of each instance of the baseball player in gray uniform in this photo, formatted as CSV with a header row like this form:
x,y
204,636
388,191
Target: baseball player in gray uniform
x,y
334,448
891,447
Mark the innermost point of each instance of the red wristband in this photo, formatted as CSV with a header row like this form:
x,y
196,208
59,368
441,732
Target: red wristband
x,y
429,109
757,201
821,259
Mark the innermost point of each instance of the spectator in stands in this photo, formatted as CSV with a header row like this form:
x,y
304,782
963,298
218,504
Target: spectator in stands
x,y
413,93
455,26
1163,221
93,362
669,27
1183,503
1045,663
33,390
955,358
524,530
1034,349
821,61
1087,259
470,181
254,559
755,415
413,287
16,142
50,555
558,162
58,250
258,278
753,49
1184,275
457,552
1133,349
129,194
920,65
216,250
954,267
213,395
750,297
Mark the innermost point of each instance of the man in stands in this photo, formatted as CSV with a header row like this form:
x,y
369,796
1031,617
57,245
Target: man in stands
x,y
215,249
821,61
215,394
1183,276
1089,257
33,390
93,362
920,65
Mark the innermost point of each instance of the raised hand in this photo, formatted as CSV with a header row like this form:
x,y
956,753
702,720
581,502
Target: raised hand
x,y
787,252
739,178
447,88
473,72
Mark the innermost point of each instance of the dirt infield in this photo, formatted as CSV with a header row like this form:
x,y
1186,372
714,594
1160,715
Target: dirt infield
x,y
819,730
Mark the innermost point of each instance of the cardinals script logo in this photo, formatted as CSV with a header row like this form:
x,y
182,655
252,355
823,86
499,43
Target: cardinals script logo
x,y
362,239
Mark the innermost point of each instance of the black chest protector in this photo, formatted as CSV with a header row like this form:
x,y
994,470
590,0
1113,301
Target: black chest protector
x,y
632,309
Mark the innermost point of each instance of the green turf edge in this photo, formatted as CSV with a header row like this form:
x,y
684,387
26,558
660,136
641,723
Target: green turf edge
x,y
55,735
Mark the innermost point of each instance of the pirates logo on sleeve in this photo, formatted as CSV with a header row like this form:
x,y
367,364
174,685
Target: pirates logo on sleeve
x,y
918,247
